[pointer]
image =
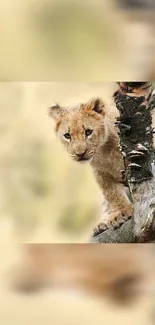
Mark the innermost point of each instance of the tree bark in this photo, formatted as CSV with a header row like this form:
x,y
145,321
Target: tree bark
x,y
135,101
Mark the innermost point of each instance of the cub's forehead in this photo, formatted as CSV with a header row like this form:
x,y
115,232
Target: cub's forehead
x,y
74,121
71,120
72,111
73,114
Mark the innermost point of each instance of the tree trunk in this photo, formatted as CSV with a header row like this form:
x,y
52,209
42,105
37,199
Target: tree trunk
x,y
135,101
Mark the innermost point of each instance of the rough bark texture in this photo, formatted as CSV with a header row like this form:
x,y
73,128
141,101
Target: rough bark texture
x,y
135,102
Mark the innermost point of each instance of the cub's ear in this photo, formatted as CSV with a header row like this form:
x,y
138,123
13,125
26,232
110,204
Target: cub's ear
x,y
55,111
96,105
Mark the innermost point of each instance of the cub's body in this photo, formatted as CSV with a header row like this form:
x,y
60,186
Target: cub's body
x,y
89,134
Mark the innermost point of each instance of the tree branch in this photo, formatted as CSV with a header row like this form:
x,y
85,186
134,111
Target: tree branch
x,y
135,101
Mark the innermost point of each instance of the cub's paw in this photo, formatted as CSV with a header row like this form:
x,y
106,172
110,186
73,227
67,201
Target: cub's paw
x,y
115,221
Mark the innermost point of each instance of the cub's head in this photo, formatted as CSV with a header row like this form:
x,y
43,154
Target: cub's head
x,y
81,129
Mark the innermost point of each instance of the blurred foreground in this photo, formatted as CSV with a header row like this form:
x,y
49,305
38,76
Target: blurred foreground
x,y
122,274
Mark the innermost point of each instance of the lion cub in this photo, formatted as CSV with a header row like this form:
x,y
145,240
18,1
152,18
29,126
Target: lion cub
x,y
90,135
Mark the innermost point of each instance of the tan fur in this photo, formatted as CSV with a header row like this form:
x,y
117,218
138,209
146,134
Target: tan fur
x,y
118,272
101,150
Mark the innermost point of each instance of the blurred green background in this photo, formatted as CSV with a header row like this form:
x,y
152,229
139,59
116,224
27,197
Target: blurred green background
x,y
44,194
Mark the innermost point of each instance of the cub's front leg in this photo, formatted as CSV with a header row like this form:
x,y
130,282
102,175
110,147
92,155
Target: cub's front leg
x,y
116,207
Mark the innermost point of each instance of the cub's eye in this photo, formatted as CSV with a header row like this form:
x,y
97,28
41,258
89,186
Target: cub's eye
x,y
67,136
88,132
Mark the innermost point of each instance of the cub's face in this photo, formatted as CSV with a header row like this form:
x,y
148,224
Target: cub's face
x,y
81,129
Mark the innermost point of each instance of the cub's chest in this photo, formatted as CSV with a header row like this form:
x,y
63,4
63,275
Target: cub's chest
x,y
111,166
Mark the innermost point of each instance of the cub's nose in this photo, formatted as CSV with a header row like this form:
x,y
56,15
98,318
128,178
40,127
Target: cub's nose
x,y
81,154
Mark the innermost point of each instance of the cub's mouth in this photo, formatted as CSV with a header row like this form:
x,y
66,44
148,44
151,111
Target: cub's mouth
x,y
84,159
